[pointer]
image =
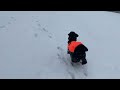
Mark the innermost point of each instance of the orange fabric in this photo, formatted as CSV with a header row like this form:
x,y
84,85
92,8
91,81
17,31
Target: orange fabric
x,y
73,45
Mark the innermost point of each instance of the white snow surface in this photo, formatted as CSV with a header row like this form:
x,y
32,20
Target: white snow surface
x,y
33,44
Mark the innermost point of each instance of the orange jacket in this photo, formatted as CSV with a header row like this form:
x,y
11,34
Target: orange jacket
x,y
73,45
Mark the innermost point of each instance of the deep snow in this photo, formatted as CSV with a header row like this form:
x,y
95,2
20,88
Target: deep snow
x,y
33,44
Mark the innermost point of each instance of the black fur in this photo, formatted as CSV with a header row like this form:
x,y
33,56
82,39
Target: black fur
x,y
80,51
72,37
80,54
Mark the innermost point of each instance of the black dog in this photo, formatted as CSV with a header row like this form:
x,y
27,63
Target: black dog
x,y
80,50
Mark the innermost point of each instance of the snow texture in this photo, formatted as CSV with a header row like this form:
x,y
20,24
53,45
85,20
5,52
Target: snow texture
x,y
33,44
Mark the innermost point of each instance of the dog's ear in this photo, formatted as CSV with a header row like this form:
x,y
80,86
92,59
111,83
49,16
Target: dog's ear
x,y
76,35
73,34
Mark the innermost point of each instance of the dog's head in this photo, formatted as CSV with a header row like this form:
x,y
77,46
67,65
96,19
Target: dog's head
x,y
72,36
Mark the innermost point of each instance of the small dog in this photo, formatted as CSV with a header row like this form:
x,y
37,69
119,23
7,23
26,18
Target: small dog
x,y
79,49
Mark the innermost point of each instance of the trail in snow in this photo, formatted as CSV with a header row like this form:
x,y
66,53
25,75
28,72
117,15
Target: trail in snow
x,y
39,27
77,69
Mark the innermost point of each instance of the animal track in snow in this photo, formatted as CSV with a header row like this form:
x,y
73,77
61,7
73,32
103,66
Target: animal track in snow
x,y
38,27
5,26
36,35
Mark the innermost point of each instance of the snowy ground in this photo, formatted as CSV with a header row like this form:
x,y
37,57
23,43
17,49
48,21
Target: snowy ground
x,y
34,44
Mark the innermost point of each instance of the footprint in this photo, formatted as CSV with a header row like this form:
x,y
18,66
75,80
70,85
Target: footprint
x,y
50,36
36,35
2,26
59,48
9,22
59,57
71,74
13,18
45,30
39,25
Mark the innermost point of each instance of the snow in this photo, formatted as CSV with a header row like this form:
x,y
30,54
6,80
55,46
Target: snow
x,y
33,44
